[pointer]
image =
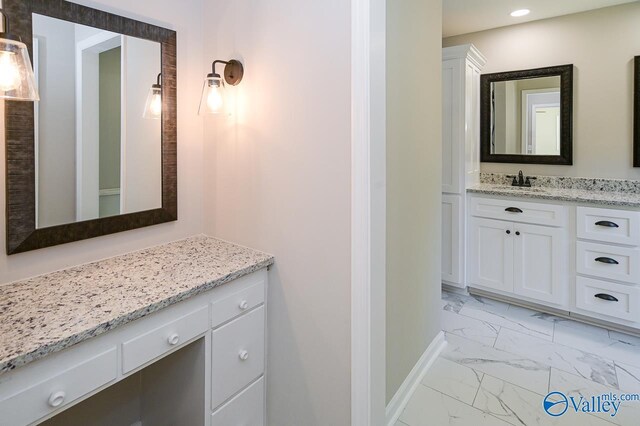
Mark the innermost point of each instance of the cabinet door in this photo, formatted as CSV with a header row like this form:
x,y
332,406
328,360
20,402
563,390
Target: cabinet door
x,y
491,253
452,245
539,262
452,126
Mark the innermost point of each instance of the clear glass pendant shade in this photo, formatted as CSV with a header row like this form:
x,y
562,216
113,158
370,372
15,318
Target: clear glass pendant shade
x,y
17,81
153,107
213,97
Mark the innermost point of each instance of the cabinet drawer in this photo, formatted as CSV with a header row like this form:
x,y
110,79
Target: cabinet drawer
x,y
238,303
35,402
605,261
246,408
602,297
519,211
607,225
237,351
155,343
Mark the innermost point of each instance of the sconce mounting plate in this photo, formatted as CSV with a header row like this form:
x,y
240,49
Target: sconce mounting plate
x,y
233,72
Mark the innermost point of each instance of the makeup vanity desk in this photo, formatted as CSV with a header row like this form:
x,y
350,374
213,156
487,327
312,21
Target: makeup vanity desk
x,y
173,334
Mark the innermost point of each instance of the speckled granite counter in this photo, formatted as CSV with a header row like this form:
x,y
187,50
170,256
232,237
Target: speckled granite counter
x,y
46,314
608,192
561,194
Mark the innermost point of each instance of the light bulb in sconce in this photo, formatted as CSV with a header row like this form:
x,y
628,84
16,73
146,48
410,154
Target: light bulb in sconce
x,y
213,90
212,101
153,106
9,73
17,81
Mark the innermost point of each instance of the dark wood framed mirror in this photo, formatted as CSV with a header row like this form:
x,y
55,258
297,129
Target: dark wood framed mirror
x,y
636,112
88,159
527,116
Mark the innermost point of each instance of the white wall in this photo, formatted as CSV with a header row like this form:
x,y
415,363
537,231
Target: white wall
x,y
414,183
278,179
186,18
601,44
57,128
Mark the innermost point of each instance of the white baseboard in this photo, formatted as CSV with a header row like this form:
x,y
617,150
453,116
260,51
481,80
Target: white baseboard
x,y
408,387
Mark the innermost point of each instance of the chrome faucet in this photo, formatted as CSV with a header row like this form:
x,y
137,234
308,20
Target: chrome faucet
x,y
521,181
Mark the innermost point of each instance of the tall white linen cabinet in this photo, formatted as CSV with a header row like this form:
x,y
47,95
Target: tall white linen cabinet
x,y
461,67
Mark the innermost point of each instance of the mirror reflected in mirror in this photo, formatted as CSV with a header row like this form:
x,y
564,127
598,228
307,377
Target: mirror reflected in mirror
x,y
96,154
526,116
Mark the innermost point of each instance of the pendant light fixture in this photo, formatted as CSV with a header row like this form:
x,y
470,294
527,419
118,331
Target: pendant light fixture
x,y
153,107
17,81
213,96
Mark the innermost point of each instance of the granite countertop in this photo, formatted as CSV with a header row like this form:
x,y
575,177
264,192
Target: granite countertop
x,y
51,312
600,196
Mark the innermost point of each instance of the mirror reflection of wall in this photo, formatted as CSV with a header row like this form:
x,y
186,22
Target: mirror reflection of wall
x,y
526,116
96,156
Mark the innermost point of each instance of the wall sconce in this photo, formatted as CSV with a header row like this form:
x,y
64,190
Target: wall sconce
x,y
17,81
153,107
212,101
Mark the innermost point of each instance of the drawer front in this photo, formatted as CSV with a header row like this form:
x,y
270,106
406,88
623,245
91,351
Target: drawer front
x,y
602,297
519,211
605,261
607,225
237,351
52,394
236,304
144,348
247,408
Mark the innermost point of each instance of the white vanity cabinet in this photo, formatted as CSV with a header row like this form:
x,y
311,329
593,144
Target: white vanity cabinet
x,y
578,260
461,67
197,362
515,257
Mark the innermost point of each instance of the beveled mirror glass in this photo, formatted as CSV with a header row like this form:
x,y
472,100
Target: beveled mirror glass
x,y
87,160
526,116
96,154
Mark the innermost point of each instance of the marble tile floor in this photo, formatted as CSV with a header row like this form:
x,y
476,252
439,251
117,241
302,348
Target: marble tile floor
x,y
501,360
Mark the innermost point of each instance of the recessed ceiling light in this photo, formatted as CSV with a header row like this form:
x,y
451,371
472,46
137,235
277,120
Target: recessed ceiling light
x,y
519,13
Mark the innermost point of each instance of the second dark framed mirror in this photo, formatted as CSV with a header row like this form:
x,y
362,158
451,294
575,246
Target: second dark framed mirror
x,y
526,116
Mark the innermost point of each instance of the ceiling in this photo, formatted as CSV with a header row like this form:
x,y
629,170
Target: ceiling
x,y
468,16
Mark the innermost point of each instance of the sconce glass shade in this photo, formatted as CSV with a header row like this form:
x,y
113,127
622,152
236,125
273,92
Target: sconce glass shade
x,y
213,97
153,107
17,81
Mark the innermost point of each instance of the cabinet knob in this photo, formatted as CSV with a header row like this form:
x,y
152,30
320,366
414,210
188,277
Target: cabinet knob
x,y
243,305
57,398
243,355
173,340
508,232
518,233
